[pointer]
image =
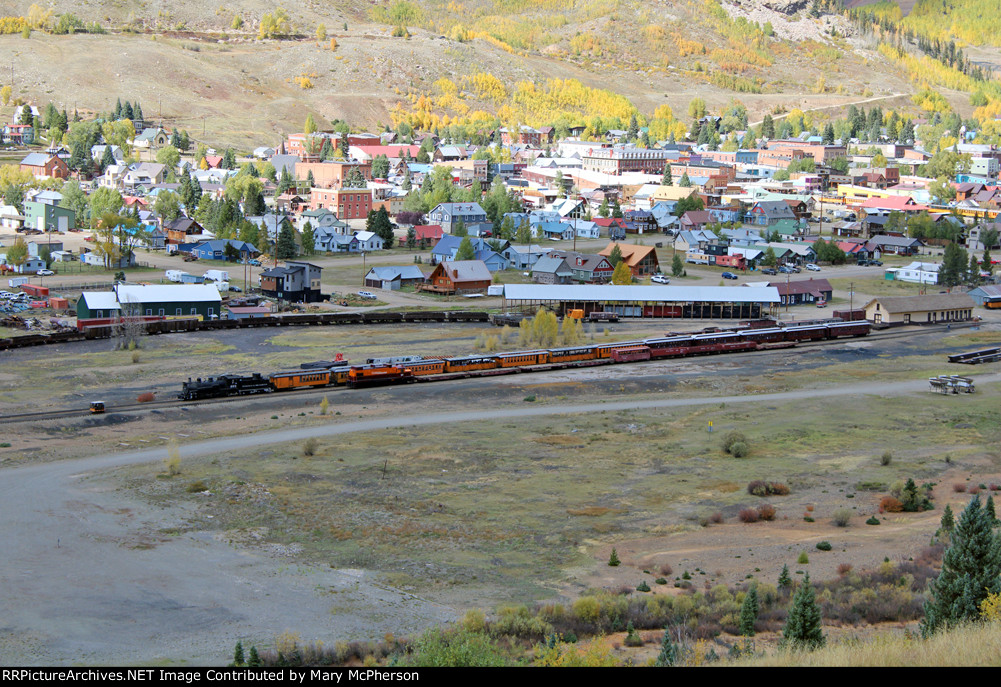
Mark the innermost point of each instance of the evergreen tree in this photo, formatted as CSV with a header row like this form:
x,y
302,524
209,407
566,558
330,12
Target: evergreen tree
x,y
785,582
685,182
228,159
118,109
948,523
137,112
989,507
285,181
970,571
308,239
108,158
310,180
667,179
411,237
603,209
954,266
828,134
677,266
616,209
459,228
465,251
749,612
383,227
767,127
615,257
127,111
668,655
286,242
802,630
238,659
254,661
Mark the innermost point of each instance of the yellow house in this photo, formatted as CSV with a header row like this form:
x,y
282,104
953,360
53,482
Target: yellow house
x,y
671,193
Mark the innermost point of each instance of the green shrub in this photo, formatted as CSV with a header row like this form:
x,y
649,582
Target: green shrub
x,y
734,437
529,399
886,458
661,580
803,559
613,559
824,545
643,587
739,450
872,520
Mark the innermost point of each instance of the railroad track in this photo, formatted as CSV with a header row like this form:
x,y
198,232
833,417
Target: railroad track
x,y
302,393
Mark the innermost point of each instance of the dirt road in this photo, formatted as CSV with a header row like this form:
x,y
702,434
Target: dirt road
x,y
95,577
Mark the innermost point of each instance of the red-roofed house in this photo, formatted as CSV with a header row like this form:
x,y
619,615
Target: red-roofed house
x,y
367,153
903,204
429,232
213,161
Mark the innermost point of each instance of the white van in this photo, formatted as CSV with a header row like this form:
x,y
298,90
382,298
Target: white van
x,y
174,275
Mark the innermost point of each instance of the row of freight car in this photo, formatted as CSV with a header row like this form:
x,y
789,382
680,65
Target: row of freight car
x,y
409,369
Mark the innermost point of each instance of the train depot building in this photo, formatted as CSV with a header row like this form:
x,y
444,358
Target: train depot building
x,y
949,307
694,302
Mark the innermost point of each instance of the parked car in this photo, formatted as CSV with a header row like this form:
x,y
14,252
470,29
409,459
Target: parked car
x,y
235,289
768,270
786,270
45,273
813,268
730,275
660,279
255,263
876,263
794,268
367,295
822,303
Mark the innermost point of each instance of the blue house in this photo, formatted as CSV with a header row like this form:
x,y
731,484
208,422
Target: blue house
x,y
216,249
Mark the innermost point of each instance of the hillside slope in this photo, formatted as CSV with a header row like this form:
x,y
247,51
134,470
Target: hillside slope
x,y
189,66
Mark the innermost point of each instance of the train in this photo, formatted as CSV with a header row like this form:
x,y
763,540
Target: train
x,y
407,369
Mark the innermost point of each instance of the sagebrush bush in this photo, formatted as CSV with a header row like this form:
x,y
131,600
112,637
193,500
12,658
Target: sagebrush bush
x,y
842,517
844,568
309,447
739,450
886,458
716,518
734,437
891,505
959,487
766,512
748,515
761,488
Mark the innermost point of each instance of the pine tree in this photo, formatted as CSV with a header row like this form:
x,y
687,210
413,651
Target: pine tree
x,y
668,655
685,182
948,523
465,251
108,158
802,630
677,266
749,612
286,242
785,582
238,659
308,239
989,507
667,179
767,127
970,571
254,660
613,559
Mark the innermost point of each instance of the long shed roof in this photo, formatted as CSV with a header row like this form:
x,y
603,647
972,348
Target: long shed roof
x,y
658,293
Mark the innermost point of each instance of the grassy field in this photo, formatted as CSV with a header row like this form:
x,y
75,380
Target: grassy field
x,y
516,506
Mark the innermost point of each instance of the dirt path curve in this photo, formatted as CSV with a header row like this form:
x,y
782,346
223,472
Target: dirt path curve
x,y
90,576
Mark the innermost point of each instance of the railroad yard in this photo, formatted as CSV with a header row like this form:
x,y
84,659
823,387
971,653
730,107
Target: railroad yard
x,y
420,501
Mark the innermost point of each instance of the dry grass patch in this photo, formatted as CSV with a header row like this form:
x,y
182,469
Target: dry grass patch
x,y
595,511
